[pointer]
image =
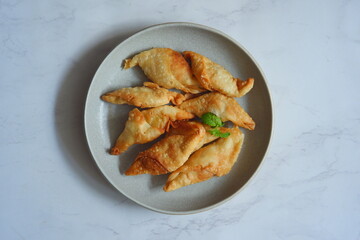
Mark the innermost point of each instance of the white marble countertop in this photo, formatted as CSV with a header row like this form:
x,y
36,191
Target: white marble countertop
x,y
309,184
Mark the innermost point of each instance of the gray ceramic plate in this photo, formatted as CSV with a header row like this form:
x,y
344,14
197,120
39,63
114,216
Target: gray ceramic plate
x,y
104,121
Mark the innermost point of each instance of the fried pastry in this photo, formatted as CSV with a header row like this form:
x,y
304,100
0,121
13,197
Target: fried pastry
x,y
215,159
224,107
166,67
150,95
147,125
177,128
172,151
214,77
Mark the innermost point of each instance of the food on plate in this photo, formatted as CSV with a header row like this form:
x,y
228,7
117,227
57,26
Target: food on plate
x,y
149,95
214,77
225,107
166,67
208,137
147,125
172,151
214,122
191,151
215,159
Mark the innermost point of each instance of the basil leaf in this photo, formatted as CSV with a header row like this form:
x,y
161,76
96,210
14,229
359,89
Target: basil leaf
x,y
212,120
216,132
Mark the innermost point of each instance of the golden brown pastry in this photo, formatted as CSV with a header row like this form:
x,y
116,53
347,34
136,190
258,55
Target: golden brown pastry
x,y
147,125
209,137
166,67
224,107
215,159
150,95
214,77
172,151
178,128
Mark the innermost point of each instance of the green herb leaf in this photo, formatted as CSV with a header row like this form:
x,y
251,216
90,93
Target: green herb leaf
x,y
212,120
216,132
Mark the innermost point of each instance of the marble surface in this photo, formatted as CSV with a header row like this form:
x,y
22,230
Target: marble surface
x,y
309,185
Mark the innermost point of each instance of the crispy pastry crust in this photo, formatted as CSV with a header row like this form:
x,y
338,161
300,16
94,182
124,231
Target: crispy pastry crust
x,y
150,95
147,125
225,107
214,77
215,159
166,67
171,152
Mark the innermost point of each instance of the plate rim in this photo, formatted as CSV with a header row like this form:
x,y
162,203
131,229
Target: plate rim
x,y
271,117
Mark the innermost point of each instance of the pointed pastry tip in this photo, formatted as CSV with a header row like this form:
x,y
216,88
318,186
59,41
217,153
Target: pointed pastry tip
x,y
114,151
146,165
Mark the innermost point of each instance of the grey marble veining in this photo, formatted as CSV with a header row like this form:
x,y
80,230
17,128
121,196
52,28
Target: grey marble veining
x,y
309,184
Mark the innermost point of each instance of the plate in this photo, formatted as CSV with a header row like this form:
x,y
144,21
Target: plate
x,y
104,121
